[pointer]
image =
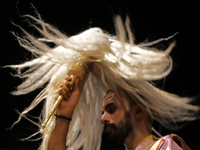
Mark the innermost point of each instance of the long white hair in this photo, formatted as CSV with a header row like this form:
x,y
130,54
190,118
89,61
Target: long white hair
x,y
116,63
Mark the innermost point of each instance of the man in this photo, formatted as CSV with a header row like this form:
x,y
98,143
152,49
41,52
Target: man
x,y
131,123
112,63
124,119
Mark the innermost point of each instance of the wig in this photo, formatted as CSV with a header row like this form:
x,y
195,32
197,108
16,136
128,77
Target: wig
x,y
116,62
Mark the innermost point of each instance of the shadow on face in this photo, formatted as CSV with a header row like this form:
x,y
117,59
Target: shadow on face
x,y
117,117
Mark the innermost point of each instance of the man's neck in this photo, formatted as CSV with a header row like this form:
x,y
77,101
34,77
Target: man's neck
x,y
132,141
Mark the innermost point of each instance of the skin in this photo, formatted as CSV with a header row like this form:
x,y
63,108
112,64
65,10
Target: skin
x,y
71,95
116,117
115,110
130,124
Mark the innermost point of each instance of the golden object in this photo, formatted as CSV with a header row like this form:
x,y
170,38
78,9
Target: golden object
x,y
78,70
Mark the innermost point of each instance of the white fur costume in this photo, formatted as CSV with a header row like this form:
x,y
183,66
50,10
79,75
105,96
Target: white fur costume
x,y
116,64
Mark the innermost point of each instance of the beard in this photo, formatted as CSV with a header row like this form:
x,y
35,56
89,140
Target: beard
x,y
118,133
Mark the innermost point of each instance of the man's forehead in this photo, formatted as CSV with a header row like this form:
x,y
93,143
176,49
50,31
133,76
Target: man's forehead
x,y
109,96
112,93
118,97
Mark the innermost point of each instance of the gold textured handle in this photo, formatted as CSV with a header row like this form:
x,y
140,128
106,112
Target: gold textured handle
x,y
55,106
60,98
78,71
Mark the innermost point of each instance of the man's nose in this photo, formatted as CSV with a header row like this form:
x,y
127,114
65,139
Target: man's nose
x,y
105,118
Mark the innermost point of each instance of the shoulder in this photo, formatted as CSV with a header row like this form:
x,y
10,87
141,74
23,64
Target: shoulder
x,y
173,142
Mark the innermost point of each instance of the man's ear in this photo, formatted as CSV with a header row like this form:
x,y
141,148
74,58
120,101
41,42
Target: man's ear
x,y
139,111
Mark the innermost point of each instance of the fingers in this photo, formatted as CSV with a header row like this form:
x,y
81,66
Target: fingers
x,y
76,85
65,93
66,89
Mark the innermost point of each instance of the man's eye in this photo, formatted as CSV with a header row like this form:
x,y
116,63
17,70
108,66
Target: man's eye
x,y
112,109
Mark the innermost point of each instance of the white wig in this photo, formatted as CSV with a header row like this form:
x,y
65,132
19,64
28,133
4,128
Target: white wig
x,y
116,63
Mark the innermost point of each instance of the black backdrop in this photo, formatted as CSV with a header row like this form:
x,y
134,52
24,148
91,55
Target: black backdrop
x,y
150,20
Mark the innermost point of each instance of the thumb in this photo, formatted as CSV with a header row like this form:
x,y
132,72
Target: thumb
x,y
76,85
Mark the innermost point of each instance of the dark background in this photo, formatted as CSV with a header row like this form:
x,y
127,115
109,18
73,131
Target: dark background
x,y
151,20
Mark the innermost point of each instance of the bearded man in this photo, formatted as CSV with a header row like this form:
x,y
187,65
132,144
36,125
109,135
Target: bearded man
x,y
125,120
111,63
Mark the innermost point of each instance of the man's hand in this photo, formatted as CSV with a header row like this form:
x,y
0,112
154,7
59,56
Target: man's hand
x,y
71,95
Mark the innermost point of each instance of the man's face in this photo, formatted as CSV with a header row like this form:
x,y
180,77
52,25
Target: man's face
x,y
117,117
